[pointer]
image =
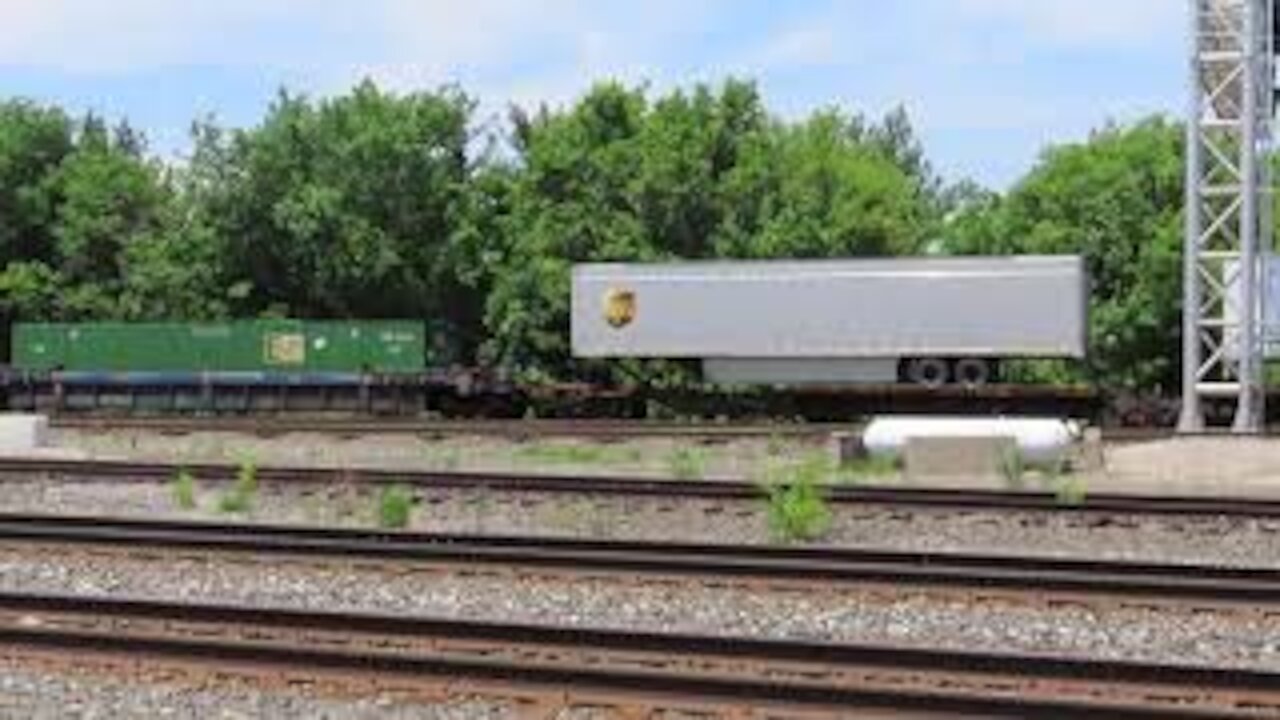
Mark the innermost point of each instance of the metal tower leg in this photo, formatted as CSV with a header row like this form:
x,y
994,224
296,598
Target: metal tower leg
x,y
1229,137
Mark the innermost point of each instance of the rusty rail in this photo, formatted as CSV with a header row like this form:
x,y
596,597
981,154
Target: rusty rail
x,y
725,490
1256,589
679,667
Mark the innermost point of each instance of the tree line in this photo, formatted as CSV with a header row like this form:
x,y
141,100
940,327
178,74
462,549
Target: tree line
x,y
382,205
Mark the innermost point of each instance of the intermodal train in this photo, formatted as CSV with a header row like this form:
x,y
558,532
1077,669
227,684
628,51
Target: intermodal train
x,y
927,328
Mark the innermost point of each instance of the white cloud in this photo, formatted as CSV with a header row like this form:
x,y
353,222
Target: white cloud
x,y
91,36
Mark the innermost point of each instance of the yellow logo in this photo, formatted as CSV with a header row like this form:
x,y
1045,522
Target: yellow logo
x,y
619,308
285,349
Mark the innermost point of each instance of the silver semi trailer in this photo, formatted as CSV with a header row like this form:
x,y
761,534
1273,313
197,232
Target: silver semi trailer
x,y
928,321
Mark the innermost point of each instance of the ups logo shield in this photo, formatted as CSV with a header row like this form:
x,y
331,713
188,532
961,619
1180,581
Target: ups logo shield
x,y
619,308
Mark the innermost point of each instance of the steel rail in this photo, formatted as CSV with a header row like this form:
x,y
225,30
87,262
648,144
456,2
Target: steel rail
x,y
1253,588
777,673
594,429
602,430
725,490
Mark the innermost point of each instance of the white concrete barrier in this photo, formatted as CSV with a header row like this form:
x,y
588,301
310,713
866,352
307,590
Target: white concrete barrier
x,y
23,433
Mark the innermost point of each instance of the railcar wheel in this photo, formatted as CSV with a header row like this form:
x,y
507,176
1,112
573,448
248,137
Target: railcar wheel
x,y
929,372
973,373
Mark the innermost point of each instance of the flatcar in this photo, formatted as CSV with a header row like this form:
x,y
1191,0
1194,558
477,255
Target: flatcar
x,y
251,365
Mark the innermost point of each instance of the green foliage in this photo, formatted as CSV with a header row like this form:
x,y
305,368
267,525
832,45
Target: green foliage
x,y
564,454
239,497
1071,492
234,502
776,446
687,463
797,508
346,207
395,506
868,468
184,490
1012,467
247,475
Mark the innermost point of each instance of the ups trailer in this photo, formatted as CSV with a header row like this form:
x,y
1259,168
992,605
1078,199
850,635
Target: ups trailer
x,y
924,321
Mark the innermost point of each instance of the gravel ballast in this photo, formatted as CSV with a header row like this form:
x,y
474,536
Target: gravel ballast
x,y
1168,539
850,615
27,692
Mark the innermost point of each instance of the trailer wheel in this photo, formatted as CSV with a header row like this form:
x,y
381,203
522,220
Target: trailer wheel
x,y
929,372
972,372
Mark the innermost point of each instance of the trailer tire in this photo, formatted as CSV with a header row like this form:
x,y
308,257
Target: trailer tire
x,y
929,372
973,372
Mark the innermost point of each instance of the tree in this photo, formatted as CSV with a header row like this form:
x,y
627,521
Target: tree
x,y
111,197
816,190
34,141
346,207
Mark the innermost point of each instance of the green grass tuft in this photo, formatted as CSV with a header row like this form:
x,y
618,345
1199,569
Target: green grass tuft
x,y
1013,469
797,507
687,464
184,490
395,506
555,454
233,502
1071,492
239,497
868,468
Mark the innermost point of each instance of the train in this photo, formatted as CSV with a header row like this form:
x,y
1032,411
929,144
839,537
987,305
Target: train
x,y
933,331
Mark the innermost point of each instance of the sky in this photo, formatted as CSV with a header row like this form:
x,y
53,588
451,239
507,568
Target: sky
x,y
989,83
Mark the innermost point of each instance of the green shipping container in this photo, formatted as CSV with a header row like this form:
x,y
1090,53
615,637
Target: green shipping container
x,y
393,346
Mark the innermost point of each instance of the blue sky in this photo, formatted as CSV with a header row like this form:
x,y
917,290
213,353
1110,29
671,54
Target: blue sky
x,y
988,82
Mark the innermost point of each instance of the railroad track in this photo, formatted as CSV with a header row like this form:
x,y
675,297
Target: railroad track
x,y
636,669
591,429
637,487
1251,589
598,430
663,671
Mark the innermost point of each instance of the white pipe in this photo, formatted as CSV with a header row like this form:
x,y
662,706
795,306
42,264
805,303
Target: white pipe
x,y
1040,441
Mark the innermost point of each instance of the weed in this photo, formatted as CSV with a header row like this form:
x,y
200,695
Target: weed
x,y
868,468
1072,492
776,446
247,476
239,497
579,454
797,504
184,490
395,505
234,502
1012,467
451,460
687,464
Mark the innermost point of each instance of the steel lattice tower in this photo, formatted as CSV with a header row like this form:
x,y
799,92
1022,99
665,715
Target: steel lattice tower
x,y
1228,211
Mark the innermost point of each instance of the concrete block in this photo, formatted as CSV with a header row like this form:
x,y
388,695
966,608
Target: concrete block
x,y
958,457
1090,456
23,433
845,448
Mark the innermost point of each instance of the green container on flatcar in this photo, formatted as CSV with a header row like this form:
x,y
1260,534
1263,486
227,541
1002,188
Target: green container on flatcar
x,y
377,346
